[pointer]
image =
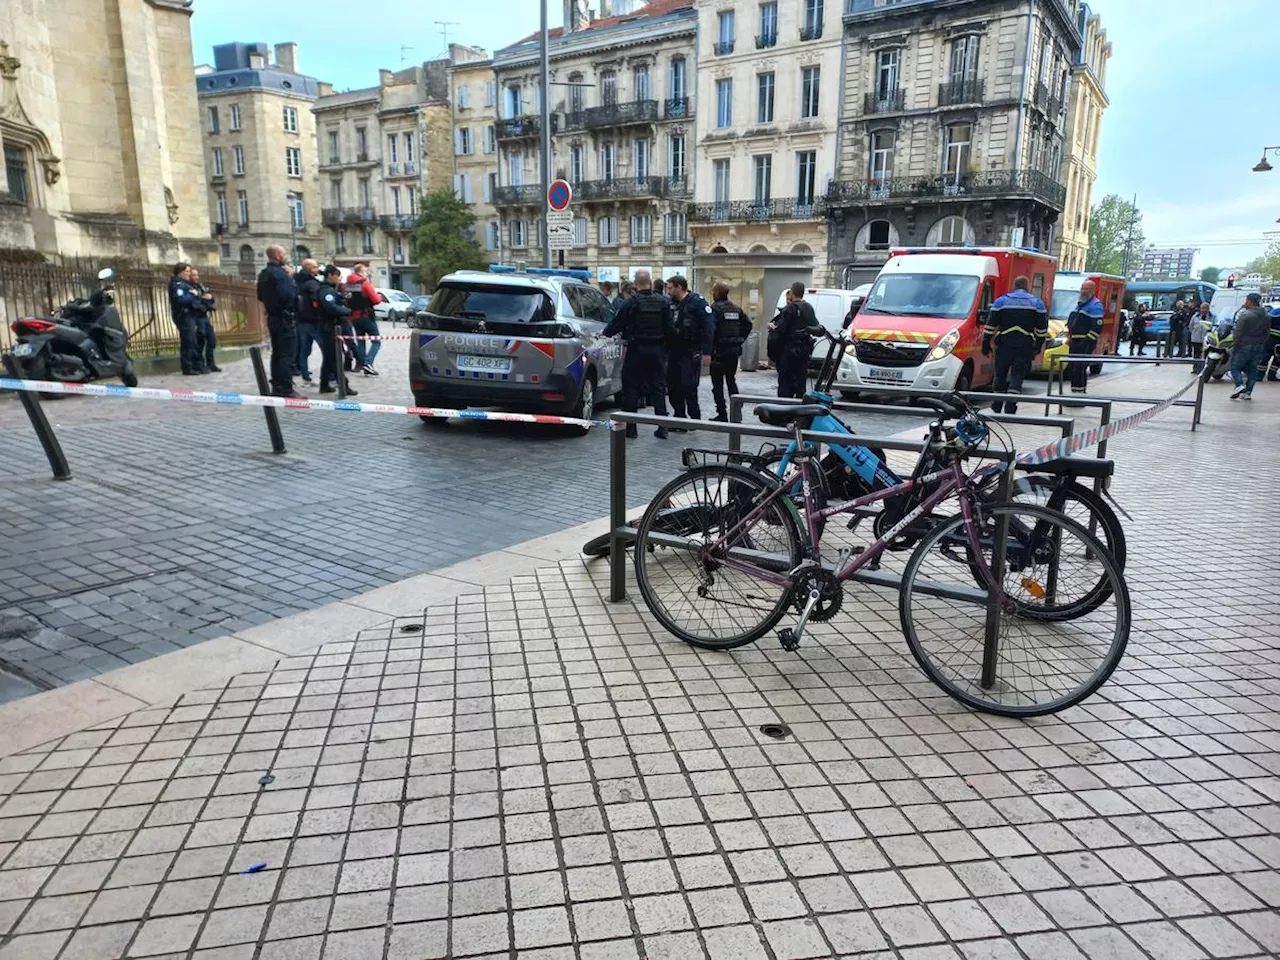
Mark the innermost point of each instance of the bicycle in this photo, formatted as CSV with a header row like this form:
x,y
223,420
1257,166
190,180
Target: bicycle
x,y
735,535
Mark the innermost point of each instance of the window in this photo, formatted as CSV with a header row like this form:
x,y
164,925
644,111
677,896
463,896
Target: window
x,y
221,215
809,84
676,157
463,96
235,116
491,96
237,160
297,212
640,83
674,227
887,62
575,93
490,140
608,88
399,250
518,237
725,32
580,231
291,119
642,229
724,102
768,25
335,191
340,240
393,152
677,79
513,102
217,162
490,186
764,98
607,231
464,146
293,161
246,253
763,178
515,170
881,171
395,196
964,60
577,164
366,245
720,180
812,27
951,231
640,158
242,208
409,156
490,232
1037,285
15,167
956,151
364,193
806,176
411,200
334,156
362,143
214,127
225,251
878,235
461,188
608,161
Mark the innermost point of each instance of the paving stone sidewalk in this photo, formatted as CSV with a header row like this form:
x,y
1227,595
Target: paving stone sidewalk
x,y
536,773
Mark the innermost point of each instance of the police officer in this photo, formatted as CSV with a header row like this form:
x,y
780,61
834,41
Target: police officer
x,y
279,297
695,333
1273,367
732,327
330,311
308,315
646,325
186,317
206,337
1084,325
1018,324
795,327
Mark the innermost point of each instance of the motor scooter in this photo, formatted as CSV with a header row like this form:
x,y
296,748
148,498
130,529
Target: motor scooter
x,y
1217,353
84,340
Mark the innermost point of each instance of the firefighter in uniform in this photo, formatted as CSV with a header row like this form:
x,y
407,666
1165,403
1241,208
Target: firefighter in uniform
x,y
695,325
1017,325
646,325
732,327
1084,325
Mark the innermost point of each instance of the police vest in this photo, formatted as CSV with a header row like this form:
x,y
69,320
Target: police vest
x,y
691,319
650,321
731,326
308,295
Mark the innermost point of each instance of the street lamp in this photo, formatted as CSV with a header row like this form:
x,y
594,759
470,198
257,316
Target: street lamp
x,y
1262,166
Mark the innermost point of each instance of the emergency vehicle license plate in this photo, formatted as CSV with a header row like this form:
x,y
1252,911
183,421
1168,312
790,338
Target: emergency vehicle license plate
x,y
21,350
484,364
881,373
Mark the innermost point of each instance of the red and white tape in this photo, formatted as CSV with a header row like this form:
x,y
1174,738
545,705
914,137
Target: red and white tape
x,y
390,336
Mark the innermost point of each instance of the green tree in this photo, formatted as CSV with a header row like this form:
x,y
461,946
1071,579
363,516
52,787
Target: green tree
x,y
1210,274
444,239
1268,264
1109,231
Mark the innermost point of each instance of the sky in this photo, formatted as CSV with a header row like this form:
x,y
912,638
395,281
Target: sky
x,y
1191,105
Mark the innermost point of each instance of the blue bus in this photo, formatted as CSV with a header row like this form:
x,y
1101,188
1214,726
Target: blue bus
x,y
1160,296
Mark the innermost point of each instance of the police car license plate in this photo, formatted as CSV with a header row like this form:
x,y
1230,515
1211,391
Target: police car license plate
x,y
484,364
882,373
21,350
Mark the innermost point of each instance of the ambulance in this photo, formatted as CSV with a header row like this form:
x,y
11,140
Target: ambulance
x,y
1066,294
921,326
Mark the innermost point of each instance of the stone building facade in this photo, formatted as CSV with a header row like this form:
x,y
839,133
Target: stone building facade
x,y
953,127
1087,103
381,149
473,92
260,154
98,115
622,108
768,88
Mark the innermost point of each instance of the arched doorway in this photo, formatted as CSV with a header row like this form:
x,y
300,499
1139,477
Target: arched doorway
x,y
245,265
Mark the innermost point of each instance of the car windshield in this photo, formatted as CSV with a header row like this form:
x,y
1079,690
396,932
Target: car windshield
x,y
1064,301
922,295
491,303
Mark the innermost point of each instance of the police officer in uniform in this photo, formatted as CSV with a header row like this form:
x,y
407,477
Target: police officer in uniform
x,y
330,311
1084,325
796,326
186,317
1018,324
278,295
732,327
695,330
646,325
308,315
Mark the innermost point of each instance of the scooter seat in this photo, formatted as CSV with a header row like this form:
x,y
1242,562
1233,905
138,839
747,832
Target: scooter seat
x,y
1090,467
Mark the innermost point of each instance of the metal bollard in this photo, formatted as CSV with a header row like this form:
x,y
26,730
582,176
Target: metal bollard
x,y
264,389
35,413
339,361
617,512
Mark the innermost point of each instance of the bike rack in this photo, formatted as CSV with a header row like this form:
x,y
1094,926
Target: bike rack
x,y
1060,368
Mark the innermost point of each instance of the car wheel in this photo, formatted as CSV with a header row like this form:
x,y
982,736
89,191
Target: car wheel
x,y
585,408
964,382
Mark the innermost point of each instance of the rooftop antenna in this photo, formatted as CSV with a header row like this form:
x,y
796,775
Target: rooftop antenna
x,y
403,51
444,26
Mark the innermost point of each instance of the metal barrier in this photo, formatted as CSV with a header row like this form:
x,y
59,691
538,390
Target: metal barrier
x,y
1060,368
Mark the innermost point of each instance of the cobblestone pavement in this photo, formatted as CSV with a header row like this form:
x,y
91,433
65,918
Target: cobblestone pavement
x,y
535,773
179,524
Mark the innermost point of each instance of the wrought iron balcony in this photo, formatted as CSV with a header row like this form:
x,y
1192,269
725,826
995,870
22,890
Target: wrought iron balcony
x,y
613,115
514,128
678,108
961,92
619,188
987,184
811,32
1041,95
515,195
397,222
766,40
884,101
722,48
348,215
752,211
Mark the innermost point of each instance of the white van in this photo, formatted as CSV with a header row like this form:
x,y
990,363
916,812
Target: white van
x,y
831,305
1226,303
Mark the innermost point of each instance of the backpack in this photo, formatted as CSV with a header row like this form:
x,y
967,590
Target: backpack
x,y
355,295
776,340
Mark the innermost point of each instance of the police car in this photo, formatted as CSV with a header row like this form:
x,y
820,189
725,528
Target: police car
x,y
530,341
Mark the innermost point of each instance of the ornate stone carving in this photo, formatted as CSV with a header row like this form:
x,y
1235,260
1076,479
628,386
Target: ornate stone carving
x,y
16,126
171,206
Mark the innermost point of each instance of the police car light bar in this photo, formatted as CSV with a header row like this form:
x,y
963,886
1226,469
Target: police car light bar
x,y
583,275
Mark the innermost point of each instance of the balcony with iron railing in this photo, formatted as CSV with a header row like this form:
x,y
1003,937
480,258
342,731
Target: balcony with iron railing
x,y
518,195
961,92
884,101
722,48
986,184
853,8
613,115
348,215
766,40
678,108
397,222
618,188
812,31
757,211
515,128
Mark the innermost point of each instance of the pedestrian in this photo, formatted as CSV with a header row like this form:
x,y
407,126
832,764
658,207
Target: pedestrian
x,y
626,289
1201,323
182,307
1177,325
279,297
206,339
1138,331
646,324
361,298
606,287
308,280
791,336
1250,336
1018,325
732,327
330,312
1084,324
695,329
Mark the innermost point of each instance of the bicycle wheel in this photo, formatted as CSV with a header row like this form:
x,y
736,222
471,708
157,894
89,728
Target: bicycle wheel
x,y
682,568
1079,503
1041,664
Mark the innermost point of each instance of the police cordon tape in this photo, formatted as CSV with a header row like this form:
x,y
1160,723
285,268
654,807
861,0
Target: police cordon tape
x,y
284,403
390,336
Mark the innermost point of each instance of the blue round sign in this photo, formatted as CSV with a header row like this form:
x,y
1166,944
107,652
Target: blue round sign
x,y
559,193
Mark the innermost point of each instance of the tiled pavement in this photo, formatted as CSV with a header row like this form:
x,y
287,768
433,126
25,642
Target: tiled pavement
x,y
536,773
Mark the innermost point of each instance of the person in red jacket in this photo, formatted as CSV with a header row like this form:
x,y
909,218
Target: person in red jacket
x,y
361,297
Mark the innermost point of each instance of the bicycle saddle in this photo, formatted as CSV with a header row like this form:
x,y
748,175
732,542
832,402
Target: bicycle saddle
x,y
1073,466
786,414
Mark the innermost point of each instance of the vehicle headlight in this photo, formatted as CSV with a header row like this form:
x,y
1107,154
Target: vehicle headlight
x,y
944,346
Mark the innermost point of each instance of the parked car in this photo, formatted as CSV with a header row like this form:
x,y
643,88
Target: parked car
x,y
420,303
397,306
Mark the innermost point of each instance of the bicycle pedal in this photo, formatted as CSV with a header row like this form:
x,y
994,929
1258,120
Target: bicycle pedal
x,y
787,637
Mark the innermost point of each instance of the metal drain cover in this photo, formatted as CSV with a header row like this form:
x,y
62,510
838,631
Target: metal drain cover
x,y
778,731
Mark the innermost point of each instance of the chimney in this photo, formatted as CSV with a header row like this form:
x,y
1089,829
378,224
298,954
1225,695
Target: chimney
x,y
577,14
287,57
384,78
